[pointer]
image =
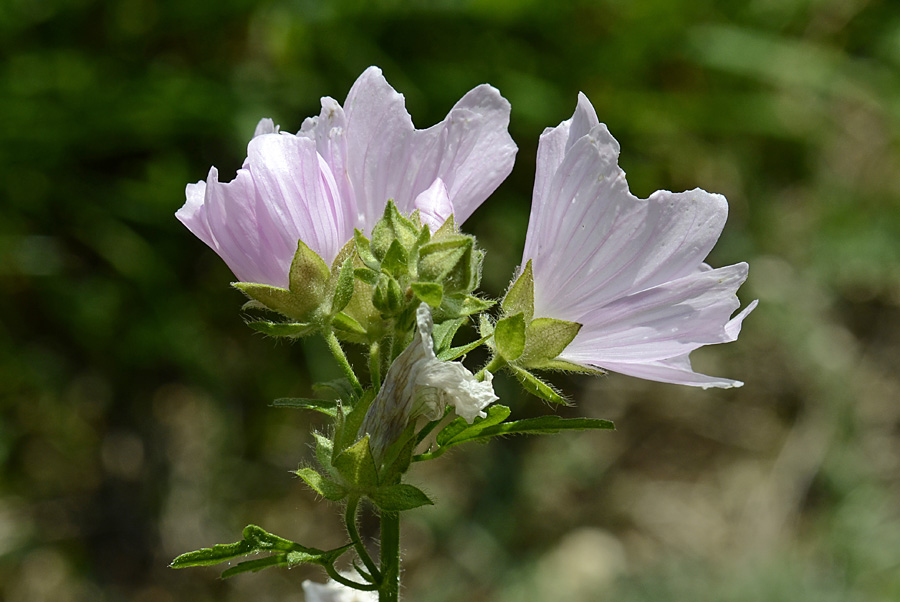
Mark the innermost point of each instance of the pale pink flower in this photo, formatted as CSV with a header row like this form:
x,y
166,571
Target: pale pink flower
x,y
629,270
338,172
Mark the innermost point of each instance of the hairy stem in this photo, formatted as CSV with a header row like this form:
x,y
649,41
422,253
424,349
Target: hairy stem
x,y
390,557
350,520
338,352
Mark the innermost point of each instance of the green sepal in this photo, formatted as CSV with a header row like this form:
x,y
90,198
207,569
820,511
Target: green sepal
x,y
453,353
431,293
323,406
447,229
282,329
322,485
255,540
564,366
364,250
399,497
343,290
545,339
366,275
392,226
459,430
537,387
275,299
444,332
252,304
450,262
398,456
324,452
308,276
461,306
346,324
485,325
509,336
346,425
520,296
340,388
357,466
396,260
388,297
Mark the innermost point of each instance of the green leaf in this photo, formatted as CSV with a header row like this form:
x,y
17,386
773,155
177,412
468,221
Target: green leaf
x,y
430,292
520,296
357,466
543,425
343,291
324,406
255,539
459,428
509,336
401,496
457,352
546,338
282,329
321,485
537,387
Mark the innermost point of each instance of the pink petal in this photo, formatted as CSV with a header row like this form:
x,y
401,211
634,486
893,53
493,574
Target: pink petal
x,y
661,322
387,158
434,205
676,370
591,240
301,197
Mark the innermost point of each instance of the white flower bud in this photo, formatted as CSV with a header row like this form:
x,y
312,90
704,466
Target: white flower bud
x,y
419,384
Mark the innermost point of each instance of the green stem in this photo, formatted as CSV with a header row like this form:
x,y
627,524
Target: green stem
x,y
375,364
496,364
350,519
390,557
337,351
332,572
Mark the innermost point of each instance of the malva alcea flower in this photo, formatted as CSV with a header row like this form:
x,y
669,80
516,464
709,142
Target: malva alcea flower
x,y
338,172
631,272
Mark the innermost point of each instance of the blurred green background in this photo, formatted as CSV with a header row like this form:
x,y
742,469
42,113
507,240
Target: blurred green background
x,y
134,418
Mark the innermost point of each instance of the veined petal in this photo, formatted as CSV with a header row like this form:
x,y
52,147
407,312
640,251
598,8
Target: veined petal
x,y
661,322
630,271
434,205
301,196
241,238
676,370
470,150
612,242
